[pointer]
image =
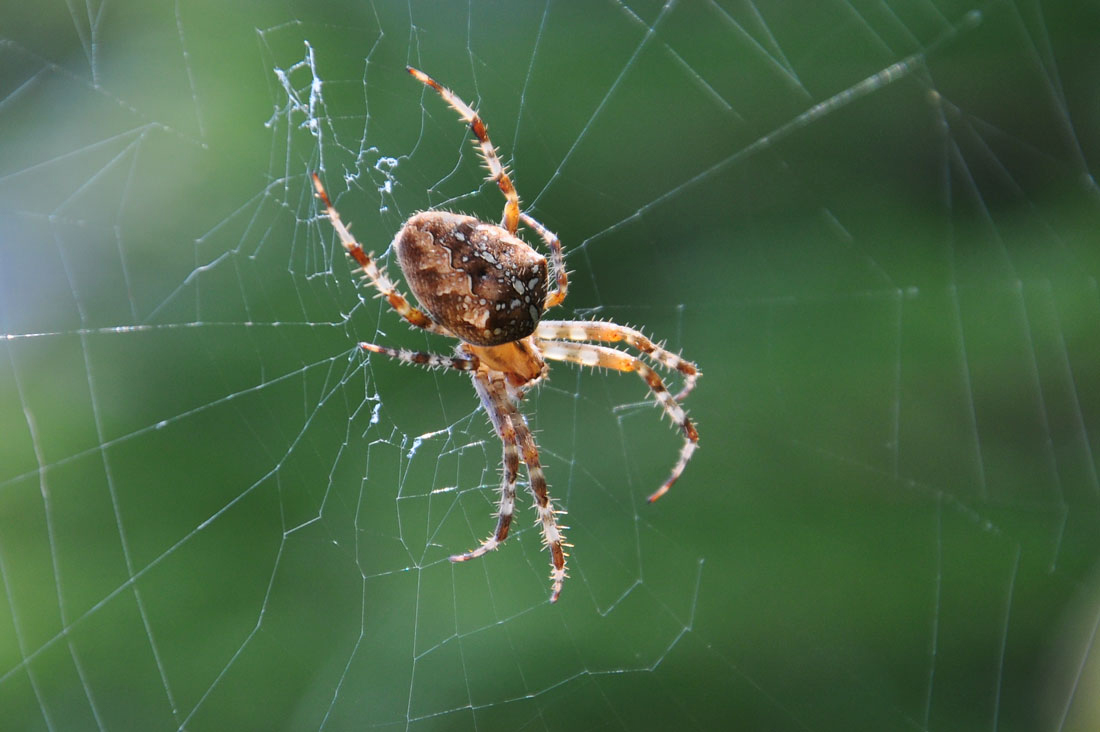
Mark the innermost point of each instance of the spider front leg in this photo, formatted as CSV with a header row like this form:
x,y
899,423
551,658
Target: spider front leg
x,y
552,537
588,354
502,409
373,272
491,401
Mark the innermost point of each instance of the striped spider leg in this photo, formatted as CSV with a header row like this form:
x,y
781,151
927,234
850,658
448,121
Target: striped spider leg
x,y
595,330
502,405
589,354
371,271
497,172
557,262
494,401
507,401
499,175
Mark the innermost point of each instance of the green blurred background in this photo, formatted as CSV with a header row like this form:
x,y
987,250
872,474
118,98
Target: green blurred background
x,y
216,514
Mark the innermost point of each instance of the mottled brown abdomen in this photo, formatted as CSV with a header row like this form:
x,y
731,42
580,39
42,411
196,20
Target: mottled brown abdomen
x,y
475,279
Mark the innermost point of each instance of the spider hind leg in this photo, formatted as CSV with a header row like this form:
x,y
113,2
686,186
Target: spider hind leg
x,y
371,271
497,173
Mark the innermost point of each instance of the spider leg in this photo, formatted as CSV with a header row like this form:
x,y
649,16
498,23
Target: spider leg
x,y
588,354
557,261
585,330
372,271
491,400
552,537
493,390
497,172
422,358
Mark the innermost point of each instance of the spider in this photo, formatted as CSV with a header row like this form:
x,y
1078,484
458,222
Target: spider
x,y
478,282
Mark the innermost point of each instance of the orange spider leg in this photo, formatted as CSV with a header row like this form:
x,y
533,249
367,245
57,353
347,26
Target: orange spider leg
x,y
494,404
552,537
497,172
372,271
588,354
557,261
514,432
583,330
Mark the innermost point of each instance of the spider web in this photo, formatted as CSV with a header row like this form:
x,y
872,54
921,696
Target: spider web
x,y
872,224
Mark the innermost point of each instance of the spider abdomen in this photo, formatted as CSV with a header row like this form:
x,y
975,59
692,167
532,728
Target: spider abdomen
x,y
475,279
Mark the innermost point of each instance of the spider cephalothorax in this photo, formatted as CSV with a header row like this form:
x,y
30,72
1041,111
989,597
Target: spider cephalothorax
x,y
485,286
